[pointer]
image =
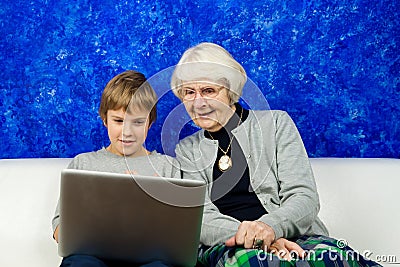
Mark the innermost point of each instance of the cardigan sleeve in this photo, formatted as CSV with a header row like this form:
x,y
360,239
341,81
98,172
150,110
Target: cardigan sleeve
x,y
299,202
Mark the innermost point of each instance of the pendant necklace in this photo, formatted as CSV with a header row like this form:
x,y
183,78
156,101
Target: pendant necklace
x,y
225,162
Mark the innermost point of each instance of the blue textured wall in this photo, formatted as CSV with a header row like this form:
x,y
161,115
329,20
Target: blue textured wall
x,y
333,65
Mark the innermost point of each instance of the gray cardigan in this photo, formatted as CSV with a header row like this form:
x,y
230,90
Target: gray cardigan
x,y
280,175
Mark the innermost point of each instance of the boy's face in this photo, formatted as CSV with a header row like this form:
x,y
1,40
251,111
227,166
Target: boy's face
x,y
127,132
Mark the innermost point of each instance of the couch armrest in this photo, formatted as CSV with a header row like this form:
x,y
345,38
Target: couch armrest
x,y
29,191
359,199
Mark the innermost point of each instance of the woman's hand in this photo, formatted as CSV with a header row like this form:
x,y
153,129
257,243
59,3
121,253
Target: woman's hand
x,y
285,249
250,231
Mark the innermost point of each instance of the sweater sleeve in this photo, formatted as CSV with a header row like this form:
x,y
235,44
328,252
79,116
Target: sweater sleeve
x,y
299,201
173,170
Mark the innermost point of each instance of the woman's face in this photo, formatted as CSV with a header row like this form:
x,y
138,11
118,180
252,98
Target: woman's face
x,y
207,104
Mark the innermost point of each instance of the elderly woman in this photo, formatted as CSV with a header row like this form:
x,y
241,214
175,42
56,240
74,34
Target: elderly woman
x,y
261,189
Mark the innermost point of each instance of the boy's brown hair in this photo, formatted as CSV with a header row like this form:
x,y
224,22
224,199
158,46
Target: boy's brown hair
x,y
130,91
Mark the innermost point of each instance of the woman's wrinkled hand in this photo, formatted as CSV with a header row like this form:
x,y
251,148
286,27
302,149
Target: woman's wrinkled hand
x,y
251,232
285,249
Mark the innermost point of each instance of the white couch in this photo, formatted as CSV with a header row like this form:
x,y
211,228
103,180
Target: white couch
x,y
359,199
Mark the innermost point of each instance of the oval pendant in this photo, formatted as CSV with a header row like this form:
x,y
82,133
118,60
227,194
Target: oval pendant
x,y
224,163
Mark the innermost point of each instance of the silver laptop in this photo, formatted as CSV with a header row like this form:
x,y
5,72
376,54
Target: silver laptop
x,y
130,218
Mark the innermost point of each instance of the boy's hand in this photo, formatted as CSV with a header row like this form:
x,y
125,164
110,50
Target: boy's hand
x,y
133,172
55,235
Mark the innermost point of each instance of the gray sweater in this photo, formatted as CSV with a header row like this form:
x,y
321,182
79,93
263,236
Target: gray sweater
x,y
104,161
280,175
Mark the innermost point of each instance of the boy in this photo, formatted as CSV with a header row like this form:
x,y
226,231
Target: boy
x,y
127,108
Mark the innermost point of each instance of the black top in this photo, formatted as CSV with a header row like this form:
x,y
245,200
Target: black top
x,y
231,191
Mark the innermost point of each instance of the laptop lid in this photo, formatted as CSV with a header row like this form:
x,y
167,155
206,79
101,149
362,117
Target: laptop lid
x,y
131,218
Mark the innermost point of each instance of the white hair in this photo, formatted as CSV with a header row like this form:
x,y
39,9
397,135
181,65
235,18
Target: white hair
x,y
208,62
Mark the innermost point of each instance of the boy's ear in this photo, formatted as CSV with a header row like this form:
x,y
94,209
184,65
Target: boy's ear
x,y
104,123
